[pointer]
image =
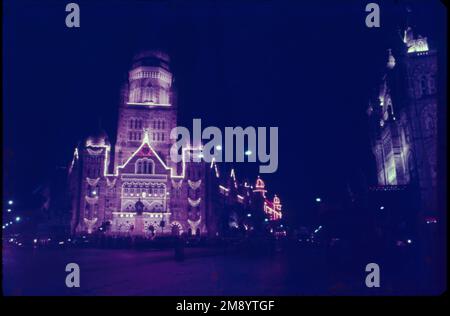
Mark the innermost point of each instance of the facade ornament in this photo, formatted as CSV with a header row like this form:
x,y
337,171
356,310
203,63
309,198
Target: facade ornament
x,y
194,225
92,182
194,203
195,184
177,184
90,224
91,200
111,183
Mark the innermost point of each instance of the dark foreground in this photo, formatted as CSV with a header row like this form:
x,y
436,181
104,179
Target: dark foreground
x,y
204,271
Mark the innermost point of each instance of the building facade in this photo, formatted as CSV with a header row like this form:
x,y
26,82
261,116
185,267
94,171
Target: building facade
x,y
403,120
135,187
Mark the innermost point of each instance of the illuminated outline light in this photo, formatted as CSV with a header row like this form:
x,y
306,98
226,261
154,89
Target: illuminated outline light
x,y
149,103
224,188
273,212
233,176
145,141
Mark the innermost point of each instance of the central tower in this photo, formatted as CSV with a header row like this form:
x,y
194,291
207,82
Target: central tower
x,y
147,102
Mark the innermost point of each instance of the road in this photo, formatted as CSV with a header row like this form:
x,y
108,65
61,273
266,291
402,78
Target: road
x,y
205,271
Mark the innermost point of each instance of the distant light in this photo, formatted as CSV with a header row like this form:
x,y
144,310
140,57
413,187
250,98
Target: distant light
x,y
18,219
248,152
94,192
218,147
61,243
19,244
281,225
10,223
266,219
11,240
9,210
409,241
3,227
381,207
10,202
35,241
318,200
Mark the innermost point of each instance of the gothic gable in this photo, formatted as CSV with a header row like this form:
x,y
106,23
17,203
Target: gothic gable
x,y
145,160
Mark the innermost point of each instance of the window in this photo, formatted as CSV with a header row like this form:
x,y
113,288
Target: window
x,y
145,166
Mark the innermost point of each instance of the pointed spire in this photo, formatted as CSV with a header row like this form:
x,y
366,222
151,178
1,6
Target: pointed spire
x,y
391,60
146,136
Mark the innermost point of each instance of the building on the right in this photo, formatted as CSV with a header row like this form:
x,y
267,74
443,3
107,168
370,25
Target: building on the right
x,y
403,120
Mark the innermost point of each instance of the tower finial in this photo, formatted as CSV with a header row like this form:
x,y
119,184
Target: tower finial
x,y
146,136
391,60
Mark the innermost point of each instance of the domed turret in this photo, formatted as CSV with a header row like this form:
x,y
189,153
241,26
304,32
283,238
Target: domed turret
x,y
150,79
97,139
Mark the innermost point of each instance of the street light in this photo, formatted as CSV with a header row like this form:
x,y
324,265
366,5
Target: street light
x,y
382,207
18,219
318,199
10,202
9,210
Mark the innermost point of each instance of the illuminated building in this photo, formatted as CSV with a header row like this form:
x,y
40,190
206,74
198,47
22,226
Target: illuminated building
x,y
403,120
135,188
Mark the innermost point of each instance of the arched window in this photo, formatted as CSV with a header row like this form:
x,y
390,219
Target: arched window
x,y
145,166
139,166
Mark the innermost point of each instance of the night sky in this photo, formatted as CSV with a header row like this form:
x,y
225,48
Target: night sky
x,y
308,67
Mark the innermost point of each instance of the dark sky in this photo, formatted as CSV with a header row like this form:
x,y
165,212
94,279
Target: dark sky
x,y
307,67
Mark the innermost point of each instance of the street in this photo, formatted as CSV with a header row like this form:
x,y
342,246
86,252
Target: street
x,y
205,271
